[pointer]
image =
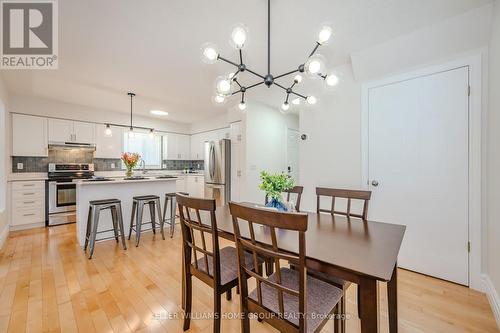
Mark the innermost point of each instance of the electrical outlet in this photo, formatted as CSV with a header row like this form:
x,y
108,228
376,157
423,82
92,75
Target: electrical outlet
x,y
164,166
113,166
20,166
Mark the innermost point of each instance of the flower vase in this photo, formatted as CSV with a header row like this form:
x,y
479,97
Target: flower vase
x,y
275,203
128,174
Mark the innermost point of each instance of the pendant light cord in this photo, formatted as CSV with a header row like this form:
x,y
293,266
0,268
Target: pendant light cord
x,y
268,36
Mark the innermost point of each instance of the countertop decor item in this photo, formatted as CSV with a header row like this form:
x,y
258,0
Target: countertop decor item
x,y
229,85
130,160
274,185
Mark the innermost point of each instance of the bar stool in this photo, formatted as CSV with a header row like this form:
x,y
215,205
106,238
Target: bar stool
x,y
171,220
95,208
137,212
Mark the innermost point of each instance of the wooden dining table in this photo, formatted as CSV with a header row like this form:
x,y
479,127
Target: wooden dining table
x,y
359,251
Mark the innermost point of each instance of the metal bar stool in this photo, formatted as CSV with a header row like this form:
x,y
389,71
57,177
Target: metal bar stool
x,y
95,208
171,220
137,213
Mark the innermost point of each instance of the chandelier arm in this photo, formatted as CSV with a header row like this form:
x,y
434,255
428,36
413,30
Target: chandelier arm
x,y
297,94
237,82
287,96
241,58
293,85
254,73
315,49
287,73
228,61
242,97
235,92
279,85
254,85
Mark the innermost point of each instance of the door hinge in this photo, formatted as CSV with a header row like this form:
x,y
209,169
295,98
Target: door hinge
x,y
468,91
468,247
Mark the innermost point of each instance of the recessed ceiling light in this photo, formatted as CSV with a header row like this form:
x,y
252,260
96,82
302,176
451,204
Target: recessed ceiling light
x,y
159,112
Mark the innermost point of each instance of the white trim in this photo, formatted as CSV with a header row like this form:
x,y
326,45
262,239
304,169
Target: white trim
x,y
474,63
27,226
493,297
3,236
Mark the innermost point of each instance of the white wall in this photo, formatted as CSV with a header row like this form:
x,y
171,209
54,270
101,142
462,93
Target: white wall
x,y
51,108
4,161
265,147
492,214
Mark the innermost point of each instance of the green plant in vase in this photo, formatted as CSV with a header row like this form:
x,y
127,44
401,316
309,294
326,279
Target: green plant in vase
x,y
130,160
274,185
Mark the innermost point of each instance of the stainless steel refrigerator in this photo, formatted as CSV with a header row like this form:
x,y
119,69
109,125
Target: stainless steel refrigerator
x,y
218,171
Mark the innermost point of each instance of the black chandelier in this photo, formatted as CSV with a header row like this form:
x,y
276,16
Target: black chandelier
x,y
314,66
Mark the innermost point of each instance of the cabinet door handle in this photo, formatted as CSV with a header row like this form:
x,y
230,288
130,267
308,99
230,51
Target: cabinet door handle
x,y
29,193
28,185
32,214
28,202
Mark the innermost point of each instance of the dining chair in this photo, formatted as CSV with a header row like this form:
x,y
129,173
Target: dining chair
x,y
295,190
289,300
203,258
350,195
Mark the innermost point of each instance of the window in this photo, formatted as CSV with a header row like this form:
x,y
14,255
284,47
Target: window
x,y
148,147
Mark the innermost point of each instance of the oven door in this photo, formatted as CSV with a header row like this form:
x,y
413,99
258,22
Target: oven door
x,y
62,197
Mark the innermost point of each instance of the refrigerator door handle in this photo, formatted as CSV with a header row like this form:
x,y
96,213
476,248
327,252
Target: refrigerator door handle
x,y
212,161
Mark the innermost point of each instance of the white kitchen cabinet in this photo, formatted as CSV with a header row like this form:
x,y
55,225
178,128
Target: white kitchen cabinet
x,y
195,186
197,146
29,136
70,131
181,184
236,160
108,146
176,146
28,204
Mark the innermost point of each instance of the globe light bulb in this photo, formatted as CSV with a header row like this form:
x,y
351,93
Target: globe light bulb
x,y
297,79
131,133
315,65
324,35
223,85
331,80
285,106
210,53
219,99
296,101
239,36
108,131
242,106
311,100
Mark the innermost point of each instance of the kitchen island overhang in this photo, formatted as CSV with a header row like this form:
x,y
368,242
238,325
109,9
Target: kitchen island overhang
x,y
123,190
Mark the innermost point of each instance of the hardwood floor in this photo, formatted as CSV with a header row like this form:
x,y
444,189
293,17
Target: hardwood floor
x,y
48,285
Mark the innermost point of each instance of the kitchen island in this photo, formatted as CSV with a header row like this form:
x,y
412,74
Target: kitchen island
x,y
121,189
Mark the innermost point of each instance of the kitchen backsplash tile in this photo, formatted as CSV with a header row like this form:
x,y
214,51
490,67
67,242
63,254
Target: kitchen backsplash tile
x,y
30,164
106,164
70,156
183,164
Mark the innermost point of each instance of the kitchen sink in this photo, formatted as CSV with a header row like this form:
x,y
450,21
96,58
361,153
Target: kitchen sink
x,y
135,178
165,177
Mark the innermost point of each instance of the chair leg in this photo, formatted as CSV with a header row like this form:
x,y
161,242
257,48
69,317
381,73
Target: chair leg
x,y
162,221
152,216
172,217
217,311
164,215
359,303
229,295
189,295
269,266
138,224
337,318
120,225
134,207
343,311
87,232
95,223
114,218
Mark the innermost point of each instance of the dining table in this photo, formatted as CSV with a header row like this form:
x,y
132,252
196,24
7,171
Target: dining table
x,y
360,251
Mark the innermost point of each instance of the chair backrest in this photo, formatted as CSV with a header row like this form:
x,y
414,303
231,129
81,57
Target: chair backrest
x,y
345,194
198,219
267,246
295,190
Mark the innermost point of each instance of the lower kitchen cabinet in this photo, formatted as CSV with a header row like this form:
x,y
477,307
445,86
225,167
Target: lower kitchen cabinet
x,y
27,204
196,186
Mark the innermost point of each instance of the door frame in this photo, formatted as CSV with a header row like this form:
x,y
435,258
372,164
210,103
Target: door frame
x,y
288,128
474,63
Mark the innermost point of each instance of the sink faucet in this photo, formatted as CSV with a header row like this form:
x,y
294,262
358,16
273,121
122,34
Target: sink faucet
x,y
143,166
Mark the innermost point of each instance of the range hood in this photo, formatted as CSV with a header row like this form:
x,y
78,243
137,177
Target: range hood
x,y
71,145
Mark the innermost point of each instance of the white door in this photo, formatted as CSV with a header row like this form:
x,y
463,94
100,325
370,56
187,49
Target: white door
x,y
292,153
418,154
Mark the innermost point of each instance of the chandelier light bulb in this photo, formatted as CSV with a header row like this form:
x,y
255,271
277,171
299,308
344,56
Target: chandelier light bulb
x,y
331,80
296,101
210,53
315,64
219,99
239,36
297,79
108,131
285,106
325,34
242,106
223,85
311,100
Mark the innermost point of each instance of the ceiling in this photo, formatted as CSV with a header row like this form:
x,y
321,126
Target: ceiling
x,y
153,47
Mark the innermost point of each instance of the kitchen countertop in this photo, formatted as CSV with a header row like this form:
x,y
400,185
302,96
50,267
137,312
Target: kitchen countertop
x,y
123,181
26,176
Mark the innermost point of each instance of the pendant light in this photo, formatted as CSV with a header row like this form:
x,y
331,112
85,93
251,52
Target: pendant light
x,y
131,129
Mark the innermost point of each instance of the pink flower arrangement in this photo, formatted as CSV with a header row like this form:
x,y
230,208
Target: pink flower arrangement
x,y
130,160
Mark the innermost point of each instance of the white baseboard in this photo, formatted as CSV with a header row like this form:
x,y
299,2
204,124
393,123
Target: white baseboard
x,y
493,298
3,236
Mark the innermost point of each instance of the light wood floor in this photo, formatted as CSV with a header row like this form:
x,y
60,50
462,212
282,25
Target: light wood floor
x,y
48,285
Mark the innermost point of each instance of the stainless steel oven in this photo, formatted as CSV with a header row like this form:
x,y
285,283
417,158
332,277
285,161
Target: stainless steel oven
x,y
61,191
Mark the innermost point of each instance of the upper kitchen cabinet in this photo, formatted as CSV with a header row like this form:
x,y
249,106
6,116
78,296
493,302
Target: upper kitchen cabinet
x,y
108,146
70,131
197,146
29,136
176,146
